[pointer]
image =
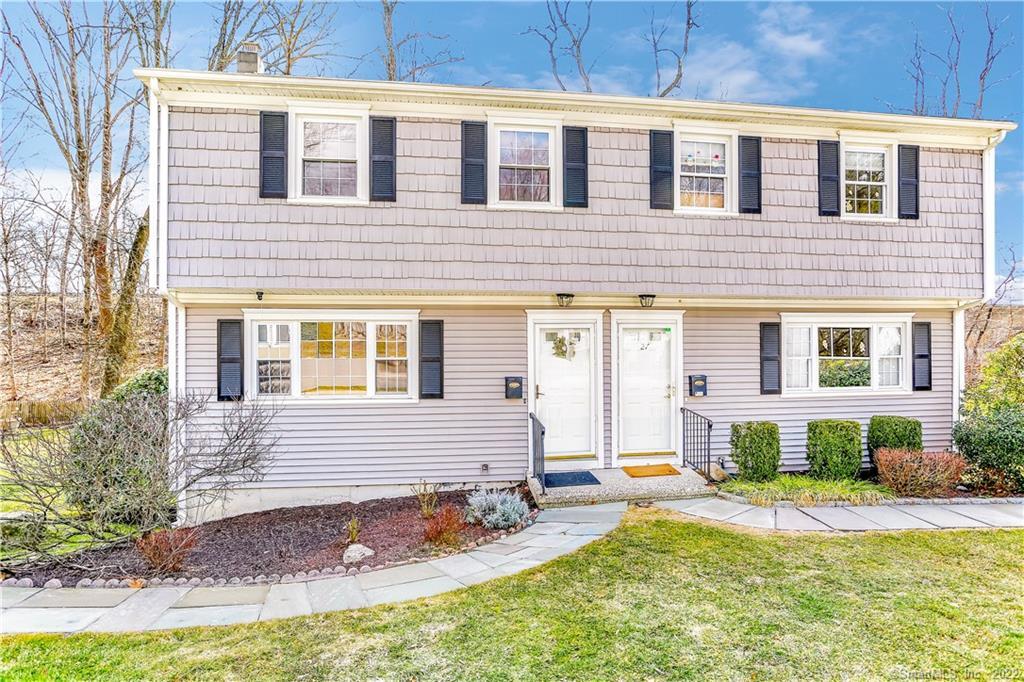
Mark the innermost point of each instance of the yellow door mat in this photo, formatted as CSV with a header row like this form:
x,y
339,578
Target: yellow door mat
x,y
651,470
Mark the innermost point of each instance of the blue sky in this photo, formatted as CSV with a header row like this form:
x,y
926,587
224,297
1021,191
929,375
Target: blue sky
x,y
841,55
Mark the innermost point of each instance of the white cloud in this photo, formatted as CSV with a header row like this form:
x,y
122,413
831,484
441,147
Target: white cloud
x,y
792,31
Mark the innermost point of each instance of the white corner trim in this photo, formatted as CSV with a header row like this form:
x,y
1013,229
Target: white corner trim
x,y
151,190
172,350
164,163
959,359
988,216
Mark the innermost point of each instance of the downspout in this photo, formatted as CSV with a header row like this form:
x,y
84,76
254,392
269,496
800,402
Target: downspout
x,y
988,214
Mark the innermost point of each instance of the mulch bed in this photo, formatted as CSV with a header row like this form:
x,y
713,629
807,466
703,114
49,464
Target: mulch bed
x,y
282,541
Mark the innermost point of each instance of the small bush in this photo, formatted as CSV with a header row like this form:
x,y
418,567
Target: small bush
x,y
990,482
165,551
994,440
898,433
496,509
912,473
149,382
426,493
1002,379
833,449
444,528
352,528
756,450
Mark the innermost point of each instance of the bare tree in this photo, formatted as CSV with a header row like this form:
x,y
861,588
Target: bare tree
x,y
559,22
979,322
119,341
71,75
150,24
238,21
301,32
949,97
14,216
407,58
674,56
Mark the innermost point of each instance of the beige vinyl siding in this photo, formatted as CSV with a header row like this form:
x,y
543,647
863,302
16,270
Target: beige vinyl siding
x,y
447,440
222,235
434,440
725,346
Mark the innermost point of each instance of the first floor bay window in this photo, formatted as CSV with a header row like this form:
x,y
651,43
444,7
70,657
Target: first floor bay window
x,y
835,354
335,354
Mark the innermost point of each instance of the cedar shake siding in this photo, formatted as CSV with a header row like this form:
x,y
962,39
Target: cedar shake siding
x,y
222,235
447,440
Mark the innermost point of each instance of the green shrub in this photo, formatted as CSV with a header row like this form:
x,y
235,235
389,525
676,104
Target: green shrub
x,y
994,440
151,382
756,450
1002,379
844,373
833,449
898,433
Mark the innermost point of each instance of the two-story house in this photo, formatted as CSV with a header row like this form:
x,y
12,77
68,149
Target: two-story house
x,y
411,270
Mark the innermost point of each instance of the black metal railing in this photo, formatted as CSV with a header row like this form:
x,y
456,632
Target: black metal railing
x,y
697,441
537,448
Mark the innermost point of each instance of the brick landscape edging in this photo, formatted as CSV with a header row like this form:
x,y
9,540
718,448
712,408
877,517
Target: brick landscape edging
x,y
739,499
301,576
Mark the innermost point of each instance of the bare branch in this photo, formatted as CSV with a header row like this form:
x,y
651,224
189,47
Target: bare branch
x,y
407,58
676,57
302,32
559,21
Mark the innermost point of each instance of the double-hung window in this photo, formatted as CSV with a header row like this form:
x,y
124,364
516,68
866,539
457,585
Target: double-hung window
x,y
705,173
524,165
837,353
329,163
867,181
335,354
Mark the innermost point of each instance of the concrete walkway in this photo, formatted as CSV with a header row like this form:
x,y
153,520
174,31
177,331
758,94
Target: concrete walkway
x,y
880,517
556,532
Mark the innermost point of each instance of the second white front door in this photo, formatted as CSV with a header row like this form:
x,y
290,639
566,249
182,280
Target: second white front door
x,y
647,359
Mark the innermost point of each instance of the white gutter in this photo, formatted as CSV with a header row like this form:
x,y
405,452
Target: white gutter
x,y
151,190
162,198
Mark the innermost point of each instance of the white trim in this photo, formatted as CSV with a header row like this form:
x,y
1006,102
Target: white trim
x,y
872,320
988,217
697,133
620,319
495,125
294,316
594,319
172,350
889,201
151,189
376,298
959,360
182,350
229,90
297,115
162,189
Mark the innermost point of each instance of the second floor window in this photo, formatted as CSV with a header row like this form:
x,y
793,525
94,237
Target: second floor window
x,y
702,174
865,182
329,159
524,166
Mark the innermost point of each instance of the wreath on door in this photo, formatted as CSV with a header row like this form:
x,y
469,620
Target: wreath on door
x,y
564,347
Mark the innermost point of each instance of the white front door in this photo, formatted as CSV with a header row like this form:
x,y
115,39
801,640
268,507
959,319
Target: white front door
x,y
647,361
564,389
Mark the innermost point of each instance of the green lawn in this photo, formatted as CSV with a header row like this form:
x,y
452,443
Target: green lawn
x,y
804,490
658,598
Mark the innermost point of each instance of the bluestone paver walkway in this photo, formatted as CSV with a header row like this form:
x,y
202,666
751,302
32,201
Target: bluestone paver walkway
x,y
874,517
556,532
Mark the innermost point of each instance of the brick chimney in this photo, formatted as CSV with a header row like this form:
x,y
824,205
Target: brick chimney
x,y
249,60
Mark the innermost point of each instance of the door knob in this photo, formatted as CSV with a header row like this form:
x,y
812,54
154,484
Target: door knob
x,y
536,391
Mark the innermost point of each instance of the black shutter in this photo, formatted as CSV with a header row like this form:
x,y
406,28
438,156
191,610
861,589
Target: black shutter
x,y
661,169
431,358
574,163
382,159
750,174
771,358
922,346
273,154
474,162
828,177
909,158
230,372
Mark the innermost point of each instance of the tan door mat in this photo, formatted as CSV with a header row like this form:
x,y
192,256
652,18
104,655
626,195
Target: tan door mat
x,y
651,470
